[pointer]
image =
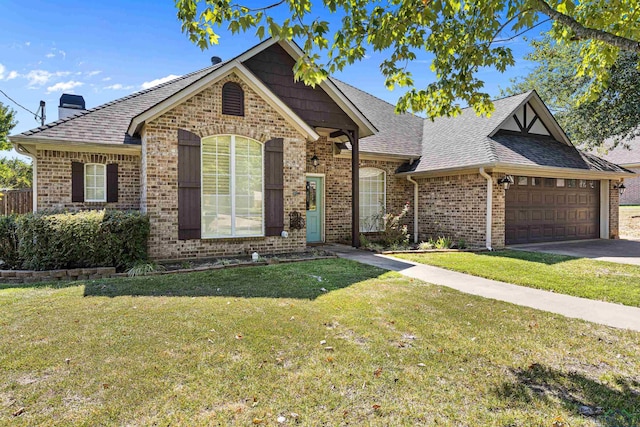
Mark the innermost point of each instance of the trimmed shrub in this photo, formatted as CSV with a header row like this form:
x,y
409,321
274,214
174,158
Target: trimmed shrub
x,y
82,239
9,256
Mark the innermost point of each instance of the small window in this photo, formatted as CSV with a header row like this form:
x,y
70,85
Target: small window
x,y
560,182
232,99
372,199
571,183
583,183
535,182
549,182
95,183
522,180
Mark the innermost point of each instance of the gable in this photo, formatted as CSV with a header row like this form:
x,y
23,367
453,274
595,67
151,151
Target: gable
x,y
525,120
274,67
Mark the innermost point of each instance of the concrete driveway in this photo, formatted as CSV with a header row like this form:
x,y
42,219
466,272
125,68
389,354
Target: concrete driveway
x,y
620,251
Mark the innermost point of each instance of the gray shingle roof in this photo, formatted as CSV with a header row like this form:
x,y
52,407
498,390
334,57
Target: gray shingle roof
x,y
452,142
108,123
399,134
538,150
621,154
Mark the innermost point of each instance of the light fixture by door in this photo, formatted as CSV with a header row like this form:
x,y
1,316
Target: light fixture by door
x,y
506,181
315,161
620,187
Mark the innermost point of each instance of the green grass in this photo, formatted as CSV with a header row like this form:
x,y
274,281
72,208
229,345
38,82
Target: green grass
x,y
579,277
244,346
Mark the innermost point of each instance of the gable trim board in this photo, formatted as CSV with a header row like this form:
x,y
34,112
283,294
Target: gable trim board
x,y
218,74
541,110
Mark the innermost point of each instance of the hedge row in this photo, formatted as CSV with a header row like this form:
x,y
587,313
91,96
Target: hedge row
x,y
46,241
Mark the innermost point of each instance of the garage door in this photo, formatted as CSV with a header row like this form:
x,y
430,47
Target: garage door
x,y
550,209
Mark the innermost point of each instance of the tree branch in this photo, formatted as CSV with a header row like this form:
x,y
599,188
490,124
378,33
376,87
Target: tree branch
x,y
583,32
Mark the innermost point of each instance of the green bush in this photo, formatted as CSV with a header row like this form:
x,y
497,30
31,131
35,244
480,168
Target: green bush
x,y
9,257
82,239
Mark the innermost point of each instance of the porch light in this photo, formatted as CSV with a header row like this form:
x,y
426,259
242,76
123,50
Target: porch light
x,y
620,187
315,161
506,181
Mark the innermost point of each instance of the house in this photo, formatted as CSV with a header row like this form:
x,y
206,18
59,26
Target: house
x,y
229,159
627,155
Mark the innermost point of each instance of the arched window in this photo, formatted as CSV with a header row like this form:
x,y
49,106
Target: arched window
x,y
232,187
372,199
232,99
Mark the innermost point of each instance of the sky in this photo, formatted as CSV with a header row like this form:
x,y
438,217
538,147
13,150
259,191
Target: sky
x,y
104,50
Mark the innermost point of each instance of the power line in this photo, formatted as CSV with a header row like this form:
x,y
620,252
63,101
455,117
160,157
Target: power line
x,y
35,115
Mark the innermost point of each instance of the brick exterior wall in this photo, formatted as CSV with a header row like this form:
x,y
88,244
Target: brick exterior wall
x,y
337,171
631,195
54,179
614,211
455,206
202,115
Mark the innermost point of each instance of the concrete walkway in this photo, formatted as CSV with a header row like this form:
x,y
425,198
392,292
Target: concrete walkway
x,y
621,251
604,313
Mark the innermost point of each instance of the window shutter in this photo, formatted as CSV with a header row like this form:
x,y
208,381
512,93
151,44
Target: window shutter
x,y
112,182
188,185
77,182
274,186
232,99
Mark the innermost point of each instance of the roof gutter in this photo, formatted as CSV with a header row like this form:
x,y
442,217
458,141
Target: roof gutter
x,y
415,208
489,206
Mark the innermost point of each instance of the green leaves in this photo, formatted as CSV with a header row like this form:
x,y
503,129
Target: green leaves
x,y
464,37
7,122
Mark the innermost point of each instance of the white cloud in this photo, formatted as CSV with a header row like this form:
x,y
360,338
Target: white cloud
x,y
10,76
63,53
42,77
118,86
106,79
156,82
93,73
50,55
27,43
64,86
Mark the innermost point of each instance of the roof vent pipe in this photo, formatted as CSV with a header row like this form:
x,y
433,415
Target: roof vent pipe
x,y
215,60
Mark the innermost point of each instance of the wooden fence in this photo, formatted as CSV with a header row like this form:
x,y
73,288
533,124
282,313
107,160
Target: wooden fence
x,y
16,201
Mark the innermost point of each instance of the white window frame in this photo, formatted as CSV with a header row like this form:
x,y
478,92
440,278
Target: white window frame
x,y
86,187
384,198
232,187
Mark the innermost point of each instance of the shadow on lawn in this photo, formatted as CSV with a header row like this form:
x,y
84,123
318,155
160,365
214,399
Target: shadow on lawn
x,y
539,257
307,280
612,407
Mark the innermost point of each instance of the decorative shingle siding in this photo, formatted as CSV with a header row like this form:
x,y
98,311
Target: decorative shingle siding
x,y
202,114
631,195
337,172
54,179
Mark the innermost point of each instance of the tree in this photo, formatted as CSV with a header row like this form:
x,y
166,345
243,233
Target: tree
x,y
14,173
7,122
614,114
463,36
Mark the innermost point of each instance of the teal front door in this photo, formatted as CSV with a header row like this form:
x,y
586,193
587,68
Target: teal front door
x,y
315,206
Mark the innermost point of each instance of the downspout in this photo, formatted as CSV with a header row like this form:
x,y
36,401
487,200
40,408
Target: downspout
x,y
34,167
489,206
415,208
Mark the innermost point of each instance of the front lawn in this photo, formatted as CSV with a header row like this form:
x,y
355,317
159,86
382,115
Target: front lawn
x,y
326,342
579,277
630,222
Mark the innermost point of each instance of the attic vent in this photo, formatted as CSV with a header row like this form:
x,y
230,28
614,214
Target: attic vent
x,y
232,99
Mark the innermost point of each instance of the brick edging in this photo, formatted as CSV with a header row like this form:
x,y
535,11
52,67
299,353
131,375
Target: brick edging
x,y
32,276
